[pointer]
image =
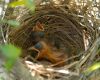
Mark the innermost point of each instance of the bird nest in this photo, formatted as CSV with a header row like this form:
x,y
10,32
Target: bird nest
x,y
62,31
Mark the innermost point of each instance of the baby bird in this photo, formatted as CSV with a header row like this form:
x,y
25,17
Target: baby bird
x,y
37,32
41,49
45,52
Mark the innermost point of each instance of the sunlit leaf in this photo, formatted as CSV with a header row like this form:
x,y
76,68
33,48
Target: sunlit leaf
x,y
17,3
28,3
14,23
93,67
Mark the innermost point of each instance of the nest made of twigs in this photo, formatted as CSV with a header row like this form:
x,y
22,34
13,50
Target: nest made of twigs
x,y
59,27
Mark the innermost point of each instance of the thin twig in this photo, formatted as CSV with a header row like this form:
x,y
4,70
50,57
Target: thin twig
x,y
2,33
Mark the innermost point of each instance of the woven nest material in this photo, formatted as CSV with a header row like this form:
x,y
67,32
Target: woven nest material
x,y
60,28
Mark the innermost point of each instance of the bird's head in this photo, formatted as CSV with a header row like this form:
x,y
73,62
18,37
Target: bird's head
x,y
37,32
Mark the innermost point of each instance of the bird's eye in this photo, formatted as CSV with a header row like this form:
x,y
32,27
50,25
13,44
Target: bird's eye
x,y
38,46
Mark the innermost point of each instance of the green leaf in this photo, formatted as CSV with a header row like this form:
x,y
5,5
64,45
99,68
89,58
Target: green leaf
x,y
30,4
17,3
9,64
11,53
14,23
93,67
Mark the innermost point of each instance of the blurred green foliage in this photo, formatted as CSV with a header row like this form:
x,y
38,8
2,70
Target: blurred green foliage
x,y
92,68
1,78
11,53
27,3
13,23
8,50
